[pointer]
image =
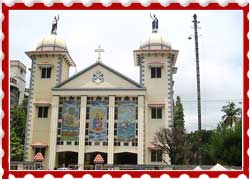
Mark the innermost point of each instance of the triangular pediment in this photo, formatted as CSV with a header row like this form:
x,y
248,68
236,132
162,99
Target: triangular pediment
x,y
99,76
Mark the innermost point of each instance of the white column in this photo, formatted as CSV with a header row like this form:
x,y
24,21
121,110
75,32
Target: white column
x,y
53,132
140,153
82,132
111,130
147,126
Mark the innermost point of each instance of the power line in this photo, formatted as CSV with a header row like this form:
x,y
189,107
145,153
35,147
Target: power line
x,y
215,100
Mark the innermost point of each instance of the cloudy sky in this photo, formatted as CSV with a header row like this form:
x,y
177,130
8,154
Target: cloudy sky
x,y
120,32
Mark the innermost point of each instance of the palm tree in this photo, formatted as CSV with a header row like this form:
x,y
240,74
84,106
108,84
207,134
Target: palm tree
x,y
232,114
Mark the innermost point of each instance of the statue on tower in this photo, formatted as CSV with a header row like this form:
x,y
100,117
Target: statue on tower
x,y
155,23
54,25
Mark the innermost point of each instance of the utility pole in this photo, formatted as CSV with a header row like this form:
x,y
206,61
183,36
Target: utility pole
x,y
197,69
198,82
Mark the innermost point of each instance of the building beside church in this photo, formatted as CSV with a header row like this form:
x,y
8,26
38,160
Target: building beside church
x,y
98,111
17,82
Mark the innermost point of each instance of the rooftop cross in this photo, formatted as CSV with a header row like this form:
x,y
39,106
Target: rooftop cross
x,y
99,51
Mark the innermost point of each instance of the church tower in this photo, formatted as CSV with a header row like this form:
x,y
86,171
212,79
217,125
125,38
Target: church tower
x,y
156,60
50,66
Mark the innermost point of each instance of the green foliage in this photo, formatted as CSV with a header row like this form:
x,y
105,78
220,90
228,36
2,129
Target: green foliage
x,y
232,114
178,134
179,114
17,132
197,142
205,147
172,141
225,145
16,146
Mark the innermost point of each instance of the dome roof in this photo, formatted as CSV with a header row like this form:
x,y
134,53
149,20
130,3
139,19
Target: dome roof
x,y
155,41
51,43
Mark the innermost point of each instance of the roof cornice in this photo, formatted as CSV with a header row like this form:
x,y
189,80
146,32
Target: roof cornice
x,y
64,54
99,89
104,66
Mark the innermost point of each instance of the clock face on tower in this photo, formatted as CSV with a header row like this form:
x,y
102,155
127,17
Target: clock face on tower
x,y
98,77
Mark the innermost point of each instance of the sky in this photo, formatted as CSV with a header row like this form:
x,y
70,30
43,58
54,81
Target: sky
x,y
121,32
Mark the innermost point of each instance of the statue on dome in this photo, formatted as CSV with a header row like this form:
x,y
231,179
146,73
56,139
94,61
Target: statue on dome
x,y
154,23
54,25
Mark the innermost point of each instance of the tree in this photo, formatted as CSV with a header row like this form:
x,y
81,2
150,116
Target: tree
x,y
197,142
208,147
16,146
163,139
232,114
179,133
172,141
17,132
225,146
179,114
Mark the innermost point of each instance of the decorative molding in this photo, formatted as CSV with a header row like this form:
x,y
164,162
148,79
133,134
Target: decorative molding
x,y
59,70
30,100
170,93
98,77
99,89
104,66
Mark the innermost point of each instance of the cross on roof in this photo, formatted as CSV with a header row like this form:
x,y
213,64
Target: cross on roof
x,y
99,51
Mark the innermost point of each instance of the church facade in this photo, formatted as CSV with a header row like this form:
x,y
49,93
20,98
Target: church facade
x,y
98,111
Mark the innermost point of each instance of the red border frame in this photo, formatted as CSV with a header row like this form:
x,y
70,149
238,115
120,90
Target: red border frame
x,y
118,6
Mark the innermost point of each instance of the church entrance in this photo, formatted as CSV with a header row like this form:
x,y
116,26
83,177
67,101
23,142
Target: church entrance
x,y
89,160
67,159
125,158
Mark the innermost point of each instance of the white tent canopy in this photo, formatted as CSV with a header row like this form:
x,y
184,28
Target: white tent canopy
x,y
218,167
197,168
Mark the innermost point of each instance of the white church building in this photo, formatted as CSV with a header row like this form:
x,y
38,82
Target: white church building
x,y
98,112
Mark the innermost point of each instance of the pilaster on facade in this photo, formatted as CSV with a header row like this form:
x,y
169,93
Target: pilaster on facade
x,y
167,118
30,115
111,129
170,92
53,132
82,133
59,70
146,134
140,158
